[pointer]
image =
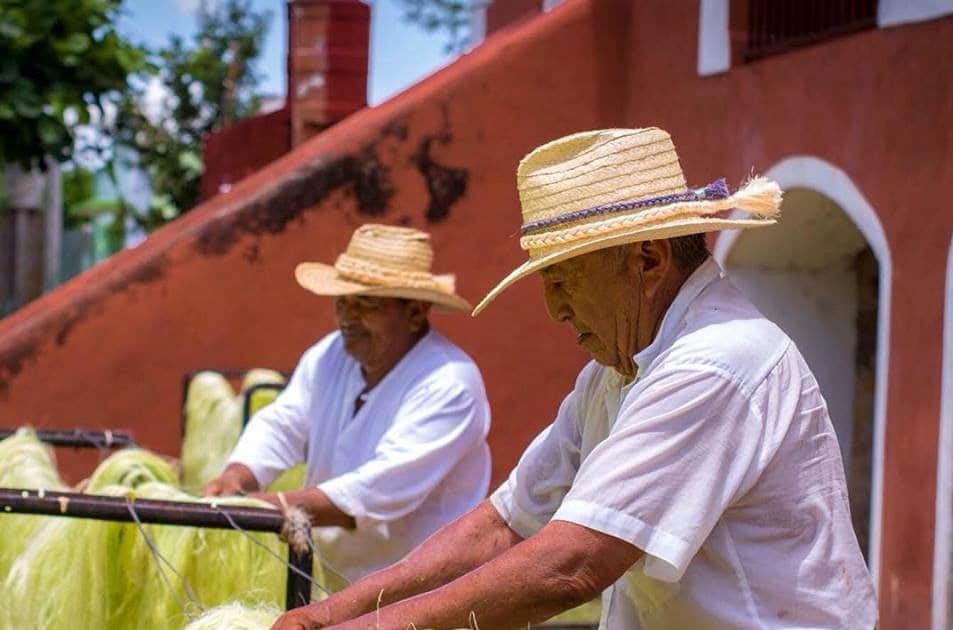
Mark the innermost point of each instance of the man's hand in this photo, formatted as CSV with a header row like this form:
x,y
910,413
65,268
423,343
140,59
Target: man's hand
x,y
310,617
235,479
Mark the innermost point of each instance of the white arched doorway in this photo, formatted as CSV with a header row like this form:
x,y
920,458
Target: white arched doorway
x,y
823,274
943,532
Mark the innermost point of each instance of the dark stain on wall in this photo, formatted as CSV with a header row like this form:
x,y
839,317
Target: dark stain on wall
x,y
362,176
18,353
446,184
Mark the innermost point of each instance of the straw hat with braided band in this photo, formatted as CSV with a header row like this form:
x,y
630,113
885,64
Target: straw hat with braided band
x,y
384,261
603,188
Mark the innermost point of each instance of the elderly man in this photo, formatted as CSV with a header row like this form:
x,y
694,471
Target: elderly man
x,y
692,476
390,417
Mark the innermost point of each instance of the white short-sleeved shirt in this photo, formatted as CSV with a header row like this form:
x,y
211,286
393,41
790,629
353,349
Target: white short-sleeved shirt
x,y
412,459
719,462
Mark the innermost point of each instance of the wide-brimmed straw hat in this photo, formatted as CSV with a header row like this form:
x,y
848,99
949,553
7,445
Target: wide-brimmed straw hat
x,y
384,261
603,188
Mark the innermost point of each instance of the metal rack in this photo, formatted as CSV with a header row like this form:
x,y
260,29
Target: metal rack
x,y
75,505
79,438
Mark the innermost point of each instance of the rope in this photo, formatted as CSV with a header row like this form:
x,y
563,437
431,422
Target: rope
x,y
160,559
247,535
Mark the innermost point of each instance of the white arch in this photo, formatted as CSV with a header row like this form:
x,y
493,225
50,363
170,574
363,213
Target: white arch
x,y
803,171
942,545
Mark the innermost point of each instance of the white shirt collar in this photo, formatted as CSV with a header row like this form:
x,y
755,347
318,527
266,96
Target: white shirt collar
x,y
708,272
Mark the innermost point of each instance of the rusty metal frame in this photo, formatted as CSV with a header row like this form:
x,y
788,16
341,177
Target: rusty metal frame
x,y
103,508
79,438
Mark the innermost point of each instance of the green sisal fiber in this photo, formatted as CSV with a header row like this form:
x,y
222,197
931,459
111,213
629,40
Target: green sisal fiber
x,y
79,573
236,617
130,467
25,462
213,422
262,397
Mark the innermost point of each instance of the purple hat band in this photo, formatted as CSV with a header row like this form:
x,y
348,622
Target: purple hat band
x,y
718,189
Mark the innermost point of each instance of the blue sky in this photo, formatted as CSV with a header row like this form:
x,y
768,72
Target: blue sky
x,y
401,54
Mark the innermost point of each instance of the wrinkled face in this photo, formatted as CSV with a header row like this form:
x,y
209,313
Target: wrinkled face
x,y
378,331
596,295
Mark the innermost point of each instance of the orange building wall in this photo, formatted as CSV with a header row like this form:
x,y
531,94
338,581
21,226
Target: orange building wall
x,y
215,288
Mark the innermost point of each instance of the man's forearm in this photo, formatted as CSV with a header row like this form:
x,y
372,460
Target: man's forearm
x,y
472,540
460,547
563,566
322,511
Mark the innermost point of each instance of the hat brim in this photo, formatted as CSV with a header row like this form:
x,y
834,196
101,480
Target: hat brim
x,y
671,229
322,279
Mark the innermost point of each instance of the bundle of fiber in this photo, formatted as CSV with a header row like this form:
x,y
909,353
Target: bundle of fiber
x,y
236,617
261,397
113,578
214,566
25,462
213,422
74,573
130,468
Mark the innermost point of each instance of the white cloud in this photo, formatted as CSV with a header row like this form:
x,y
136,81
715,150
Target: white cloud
x,y
153,100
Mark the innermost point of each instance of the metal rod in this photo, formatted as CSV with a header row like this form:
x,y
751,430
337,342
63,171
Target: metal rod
x,y
71,504
298,590
250,394
79,438
149,510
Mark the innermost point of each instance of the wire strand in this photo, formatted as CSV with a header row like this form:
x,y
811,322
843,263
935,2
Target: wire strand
x,y
235,526
160,560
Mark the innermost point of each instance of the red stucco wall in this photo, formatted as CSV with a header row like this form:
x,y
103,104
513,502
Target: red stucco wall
x,y
242,148
215,288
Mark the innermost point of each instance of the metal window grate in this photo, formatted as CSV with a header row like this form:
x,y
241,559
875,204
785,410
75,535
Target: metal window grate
x,y
776,26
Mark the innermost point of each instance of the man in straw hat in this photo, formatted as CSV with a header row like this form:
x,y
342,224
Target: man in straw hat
x,y
692,476
390,417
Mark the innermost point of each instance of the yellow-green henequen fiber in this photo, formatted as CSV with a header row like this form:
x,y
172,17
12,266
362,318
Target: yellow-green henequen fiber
x,y
213,422
25,462
79,573
236,617
59,572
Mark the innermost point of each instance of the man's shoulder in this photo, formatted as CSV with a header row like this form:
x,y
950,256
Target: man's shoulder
x,y
329,346
440,361
725,330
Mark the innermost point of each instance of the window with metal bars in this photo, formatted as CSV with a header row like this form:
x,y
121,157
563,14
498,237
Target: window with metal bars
x,y
761,28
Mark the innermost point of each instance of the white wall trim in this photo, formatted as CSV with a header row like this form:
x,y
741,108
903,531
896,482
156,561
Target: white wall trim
x,y
943,545
802,171
714,41
897,12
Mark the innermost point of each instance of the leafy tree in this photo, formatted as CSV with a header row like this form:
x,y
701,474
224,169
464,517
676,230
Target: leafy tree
x,y
58,58
452,16
207,84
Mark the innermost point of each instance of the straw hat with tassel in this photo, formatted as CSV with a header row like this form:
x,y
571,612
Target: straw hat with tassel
x,y
598,189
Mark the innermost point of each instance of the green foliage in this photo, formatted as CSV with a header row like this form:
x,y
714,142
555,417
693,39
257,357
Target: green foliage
x,y
78,202
452,16
56,56
208,83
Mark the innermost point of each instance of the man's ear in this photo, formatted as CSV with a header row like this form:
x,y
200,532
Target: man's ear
x,y
653,260
418,312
